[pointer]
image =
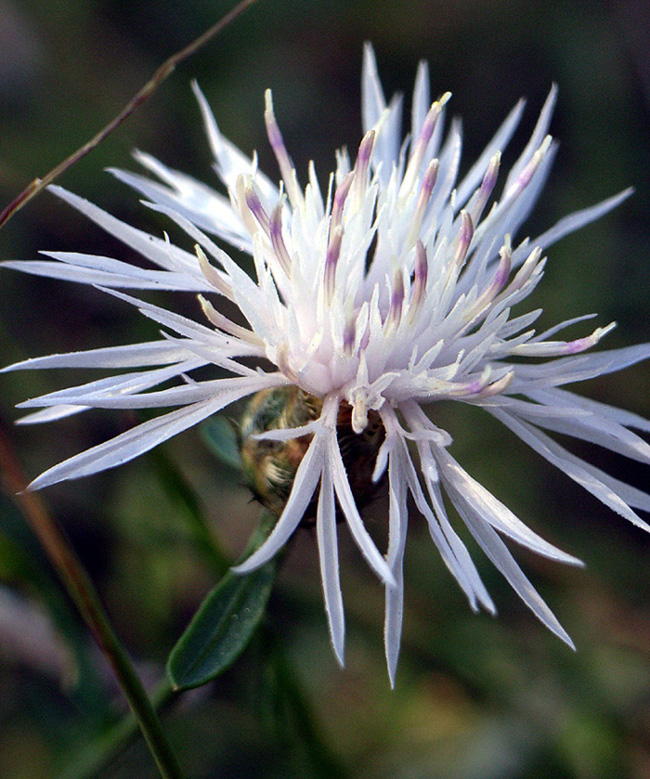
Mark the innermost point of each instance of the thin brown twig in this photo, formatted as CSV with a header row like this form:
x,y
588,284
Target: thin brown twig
x,y
38,184
83,593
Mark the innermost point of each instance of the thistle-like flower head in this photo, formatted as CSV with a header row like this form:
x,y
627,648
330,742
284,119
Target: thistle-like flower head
x,y
394,288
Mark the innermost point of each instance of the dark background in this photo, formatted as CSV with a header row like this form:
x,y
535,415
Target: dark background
x,y
475,697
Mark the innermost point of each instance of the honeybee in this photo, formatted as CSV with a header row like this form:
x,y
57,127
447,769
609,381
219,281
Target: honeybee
x,y
270,466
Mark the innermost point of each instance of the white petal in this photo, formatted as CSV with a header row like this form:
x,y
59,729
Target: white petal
x,y
539,133
398,523
183,395
129,356
196,202
448,171
304,485
138,279
372,96
517,212
329,563
355,523
477,591
575,468
451,548
498,143
566,370
575,421
159,251
197,334
497,552
493,512
132,443
546,334
421,99
52,414
111,387
627,418
579,219
251,300
231,162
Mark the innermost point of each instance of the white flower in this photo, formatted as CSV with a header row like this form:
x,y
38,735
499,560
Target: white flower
x,y
394,290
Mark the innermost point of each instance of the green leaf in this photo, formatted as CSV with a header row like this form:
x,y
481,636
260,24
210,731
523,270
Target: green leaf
x,y
221,628
224,623
220,436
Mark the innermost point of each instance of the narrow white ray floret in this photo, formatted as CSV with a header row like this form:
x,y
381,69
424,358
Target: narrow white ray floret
x,y
393,291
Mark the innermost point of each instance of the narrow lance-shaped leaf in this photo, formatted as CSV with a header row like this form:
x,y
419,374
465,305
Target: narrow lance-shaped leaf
x,y
224,623
220,437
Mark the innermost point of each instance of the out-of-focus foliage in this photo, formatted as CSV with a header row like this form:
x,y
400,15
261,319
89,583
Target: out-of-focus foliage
x,y
475,697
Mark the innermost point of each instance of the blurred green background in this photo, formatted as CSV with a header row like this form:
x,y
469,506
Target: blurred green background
x,y
475,697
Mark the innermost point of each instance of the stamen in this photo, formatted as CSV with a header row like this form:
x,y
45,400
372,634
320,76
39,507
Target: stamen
x,y
360,171
339,199
242,206
424,196
486,188
483,387
486,299
349,334
414,164
223,323
331,260
562,348
277,240
498,386
464,240
524,178
281,155
581,344
256,208
419,279
396,302
524,273
212,275
357,397
359,413
503,270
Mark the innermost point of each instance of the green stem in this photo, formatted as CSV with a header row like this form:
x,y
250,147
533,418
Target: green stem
x,y
81,590
104,749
